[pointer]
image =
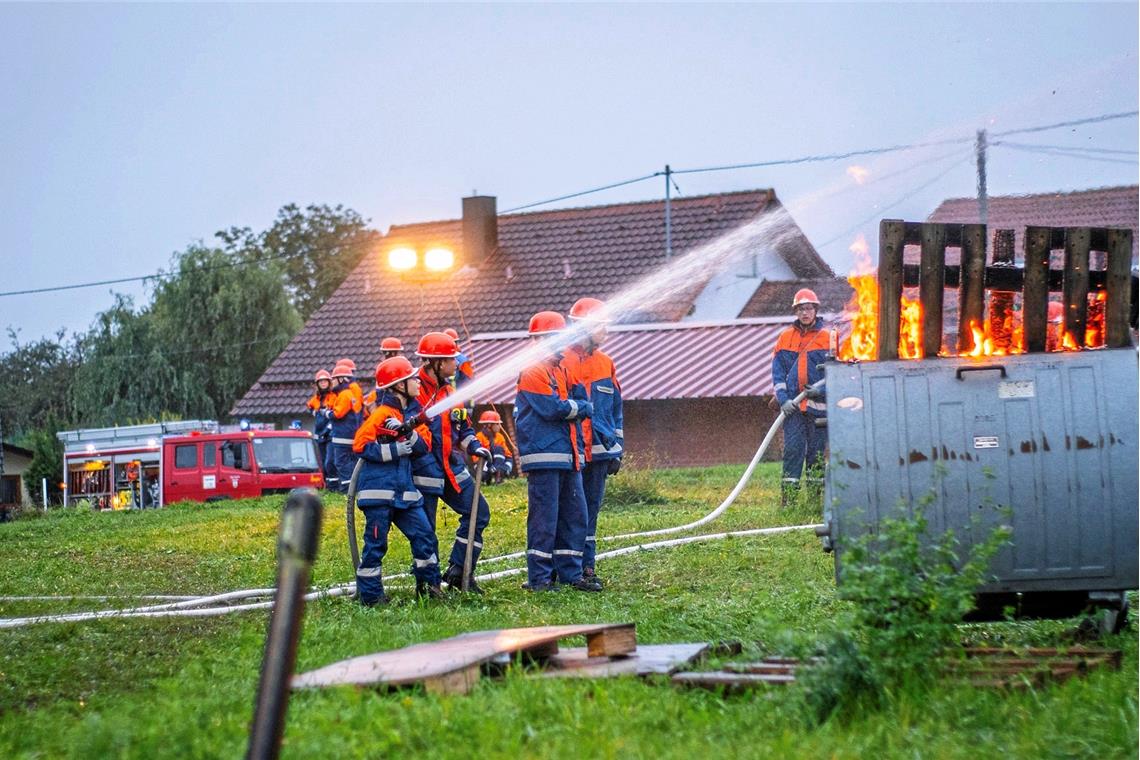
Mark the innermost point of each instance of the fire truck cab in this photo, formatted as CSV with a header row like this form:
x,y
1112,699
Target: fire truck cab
x,y
141,466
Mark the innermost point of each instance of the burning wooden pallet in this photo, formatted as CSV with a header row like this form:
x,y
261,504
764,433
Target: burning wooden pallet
x,y
991,667
973,278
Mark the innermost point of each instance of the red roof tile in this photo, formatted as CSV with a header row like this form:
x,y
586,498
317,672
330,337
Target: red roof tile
x,y
1100,207
545,260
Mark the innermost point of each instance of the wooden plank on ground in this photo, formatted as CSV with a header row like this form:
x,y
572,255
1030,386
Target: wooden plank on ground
x,y
645,660
730,681
612,641
452,665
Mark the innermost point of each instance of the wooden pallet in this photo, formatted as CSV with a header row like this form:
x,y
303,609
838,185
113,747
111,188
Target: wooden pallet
x,y
454,665
645,660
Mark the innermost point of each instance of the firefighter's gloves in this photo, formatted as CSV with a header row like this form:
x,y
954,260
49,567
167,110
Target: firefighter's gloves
x,y
585,409
813,393
483,453
392,423
614,466
403,448
459,416
789,408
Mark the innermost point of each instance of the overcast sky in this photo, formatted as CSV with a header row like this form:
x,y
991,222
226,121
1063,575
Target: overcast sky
x,y
129,132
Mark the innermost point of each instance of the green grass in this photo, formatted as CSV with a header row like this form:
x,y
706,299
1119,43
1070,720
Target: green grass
x,y
184,687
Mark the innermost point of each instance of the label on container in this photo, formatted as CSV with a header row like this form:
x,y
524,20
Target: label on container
x,y
1016,389
209,482
985,441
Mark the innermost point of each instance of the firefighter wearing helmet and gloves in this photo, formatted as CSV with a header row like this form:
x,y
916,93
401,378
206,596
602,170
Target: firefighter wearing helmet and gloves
x,y
796,363
320,406
491,437
439,352
604,439
385,490
347,409
550,453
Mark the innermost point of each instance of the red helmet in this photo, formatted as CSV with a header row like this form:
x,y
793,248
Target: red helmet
x,y
322,374
391,371
391,344
343,369
546,323
452,334
348,363
437,345
805,295
490,418
589,310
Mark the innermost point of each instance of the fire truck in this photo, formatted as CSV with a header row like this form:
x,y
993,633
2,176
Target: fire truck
x,y
145,466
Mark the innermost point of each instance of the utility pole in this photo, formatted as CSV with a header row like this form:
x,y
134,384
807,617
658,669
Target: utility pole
x,y
668,213
983,200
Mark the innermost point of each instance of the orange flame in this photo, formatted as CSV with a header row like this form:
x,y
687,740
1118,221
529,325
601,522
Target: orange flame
x,y
863,312
1094,325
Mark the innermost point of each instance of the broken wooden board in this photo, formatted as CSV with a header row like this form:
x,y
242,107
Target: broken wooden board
x,y
645,660
732,681
452,666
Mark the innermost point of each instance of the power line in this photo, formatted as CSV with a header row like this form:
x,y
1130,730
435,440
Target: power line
x,y
161,275
582,192
1075,123
1080,148
1067,154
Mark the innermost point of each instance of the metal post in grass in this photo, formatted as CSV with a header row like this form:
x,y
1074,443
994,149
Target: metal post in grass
x,y
297,543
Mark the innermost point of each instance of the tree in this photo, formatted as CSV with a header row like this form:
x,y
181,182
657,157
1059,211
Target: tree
x,y
47,462
218,327
316,249
35,379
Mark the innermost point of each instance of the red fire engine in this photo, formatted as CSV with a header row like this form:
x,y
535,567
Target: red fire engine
x,y
141,466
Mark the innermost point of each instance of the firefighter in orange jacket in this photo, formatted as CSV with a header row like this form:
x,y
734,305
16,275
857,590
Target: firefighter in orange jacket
x,y
447,430
492,438
347,409
320,406
386,492
550,453
796,363
588,366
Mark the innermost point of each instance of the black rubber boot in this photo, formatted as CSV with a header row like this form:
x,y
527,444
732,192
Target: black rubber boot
x,y
431,592
582,584
379,602
454,580
590,576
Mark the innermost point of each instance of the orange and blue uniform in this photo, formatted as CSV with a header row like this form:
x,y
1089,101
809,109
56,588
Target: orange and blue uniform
x,y
797,363
320,405
501,455
387,495
458,486
347,407
549,452
603,434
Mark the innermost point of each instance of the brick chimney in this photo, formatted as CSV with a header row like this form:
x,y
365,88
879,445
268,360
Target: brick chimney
x,y
480,229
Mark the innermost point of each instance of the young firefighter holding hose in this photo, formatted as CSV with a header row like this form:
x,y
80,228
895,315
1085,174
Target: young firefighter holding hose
x,y
797,363
385,490
590,367
438,351
546,420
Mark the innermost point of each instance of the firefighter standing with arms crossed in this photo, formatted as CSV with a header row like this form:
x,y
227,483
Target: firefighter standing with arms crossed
x,y
439,351
320,405
550,453
347,408
796,363
602,433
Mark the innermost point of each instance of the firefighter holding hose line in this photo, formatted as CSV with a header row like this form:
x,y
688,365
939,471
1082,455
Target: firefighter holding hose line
x,y
797,363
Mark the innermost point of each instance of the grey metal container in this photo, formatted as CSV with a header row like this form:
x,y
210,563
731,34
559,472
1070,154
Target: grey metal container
x,y
1051,438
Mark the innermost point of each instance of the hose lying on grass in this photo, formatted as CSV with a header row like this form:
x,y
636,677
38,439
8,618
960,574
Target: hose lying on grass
x,y
202,606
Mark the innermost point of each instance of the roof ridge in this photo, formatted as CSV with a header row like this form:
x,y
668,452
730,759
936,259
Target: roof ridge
x,y
770,192
1047,194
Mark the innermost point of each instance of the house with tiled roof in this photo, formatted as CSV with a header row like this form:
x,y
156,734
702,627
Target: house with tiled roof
x,y
774,297
510,266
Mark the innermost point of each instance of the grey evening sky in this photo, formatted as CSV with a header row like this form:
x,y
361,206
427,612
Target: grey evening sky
x,y
130,131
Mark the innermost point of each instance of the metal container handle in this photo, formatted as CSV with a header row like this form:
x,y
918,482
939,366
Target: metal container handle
x,y
981,368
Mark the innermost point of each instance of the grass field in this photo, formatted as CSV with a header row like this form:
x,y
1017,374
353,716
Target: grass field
x,y
184,687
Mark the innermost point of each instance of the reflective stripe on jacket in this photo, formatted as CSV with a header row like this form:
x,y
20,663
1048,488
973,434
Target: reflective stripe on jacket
x,y
545,418
796,364
602,432
385,477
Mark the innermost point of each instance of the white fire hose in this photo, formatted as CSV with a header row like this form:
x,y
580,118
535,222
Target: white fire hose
x,y
200,606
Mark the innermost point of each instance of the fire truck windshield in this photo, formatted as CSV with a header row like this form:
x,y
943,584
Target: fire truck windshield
x,y
285,454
